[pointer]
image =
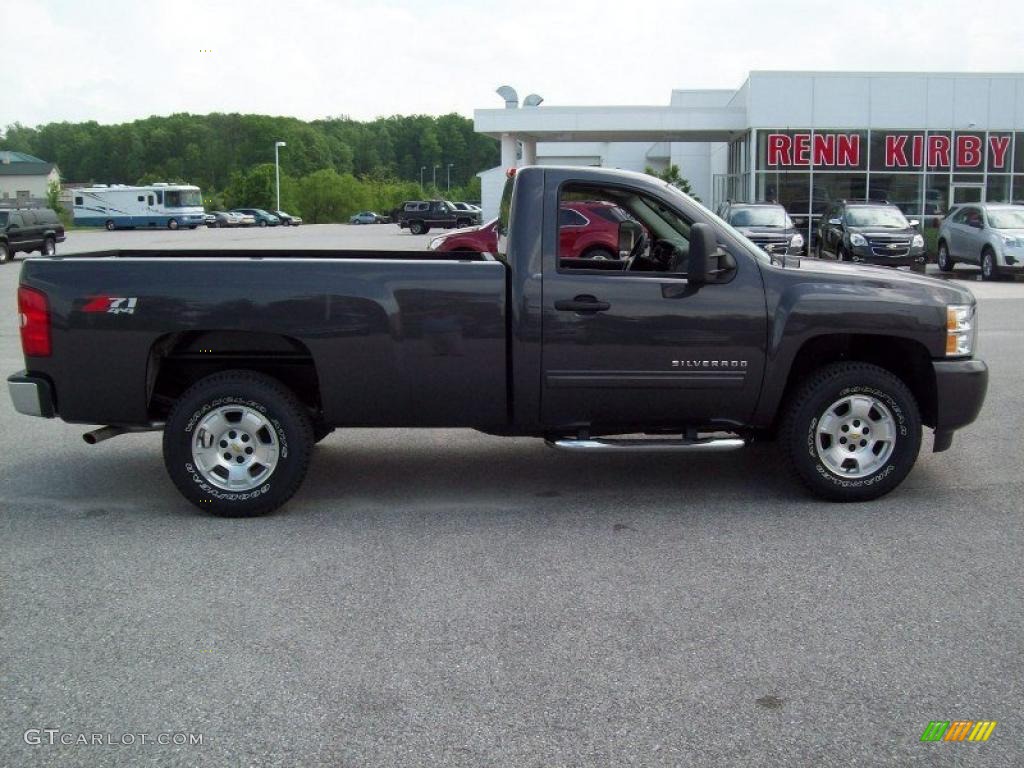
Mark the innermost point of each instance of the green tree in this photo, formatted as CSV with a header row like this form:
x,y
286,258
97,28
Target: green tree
x,y
673,177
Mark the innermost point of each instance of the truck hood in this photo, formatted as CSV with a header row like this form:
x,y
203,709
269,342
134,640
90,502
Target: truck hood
x,y
912,284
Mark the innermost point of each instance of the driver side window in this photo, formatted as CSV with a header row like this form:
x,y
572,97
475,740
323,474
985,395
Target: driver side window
x,y
617,229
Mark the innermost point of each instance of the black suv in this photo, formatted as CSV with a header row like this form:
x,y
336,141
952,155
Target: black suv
x,y
871,232
418,216
767,225
27,230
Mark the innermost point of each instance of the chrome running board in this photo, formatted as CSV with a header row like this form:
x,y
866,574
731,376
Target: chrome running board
x,y
706,445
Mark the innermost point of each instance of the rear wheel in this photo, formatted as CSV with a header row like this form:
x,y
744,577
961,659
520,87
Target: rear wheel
x,y
172,223
5,253
852,432
49,247
109,225
599,254
263,223
237,444
946,262
418,228
989,268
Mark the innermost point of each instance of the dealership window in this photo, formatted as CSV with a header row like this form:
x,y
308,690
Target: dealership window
x,y
997,188
900,189
1017,195
1018,153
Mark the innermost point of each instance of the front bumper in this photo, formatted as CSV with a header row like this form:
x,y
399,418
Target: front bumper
x,y
31,395
960,387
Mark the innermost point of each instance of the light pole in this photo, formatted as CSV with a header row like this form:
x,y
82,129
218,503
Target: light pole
x,y
277,170
422,169
435,176
450,177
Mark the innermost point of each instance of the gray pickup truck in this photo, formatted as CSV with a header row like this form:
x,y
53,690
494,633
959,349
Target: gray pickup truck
x,y
693,340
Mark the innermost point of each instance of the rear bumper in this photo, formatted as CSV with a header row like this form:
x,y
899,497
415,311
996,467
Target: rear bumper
x,y
960,387
31,395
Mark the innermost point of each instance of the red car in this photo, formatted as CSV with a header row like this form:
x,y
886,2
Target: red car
x,y
588,230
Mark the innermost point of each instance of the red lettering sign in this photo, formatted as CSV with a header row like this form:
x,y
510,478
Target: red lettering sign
x,y
895,151
968,151
802,149
778,149
824,149
938,151
997,146
917,150
848,150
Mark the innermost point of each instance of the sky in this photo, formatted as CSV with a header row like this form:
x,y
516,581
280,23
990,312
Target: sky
x,y
115,60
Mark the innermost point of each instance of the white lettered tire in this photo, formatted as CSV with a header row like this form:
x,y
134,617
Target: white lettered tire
x,y
238,444
851,432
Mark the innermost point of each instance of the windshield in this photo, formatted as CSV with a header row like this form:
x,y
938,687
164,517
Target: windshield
x,y
753,248
876,217
183,198
760,217
999,218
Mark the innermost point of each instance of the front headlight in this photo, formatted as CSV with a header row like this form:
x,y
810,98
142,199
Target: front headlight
x,y
797,241
856,239
918,241
1012,241
960,330
435,243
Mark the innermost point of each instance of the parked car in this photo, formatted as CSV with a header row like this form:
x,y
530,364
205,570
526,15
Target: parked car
x,y
219,219
366,217
841,365
288,219
870,232
419,216
260,217
767,225
990,235
244,219
469,208
586,230
29,229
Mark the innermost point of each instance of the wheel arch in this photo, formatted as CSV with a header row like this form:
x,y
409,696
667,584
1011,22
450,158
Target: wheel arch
x,y
905,358
178,360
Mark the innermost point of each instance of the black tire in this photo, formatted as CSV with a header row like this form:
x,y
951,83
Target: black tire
x,y
172,223
109,225
49,247
989,268
600,254
813,398
5,253
282,410
263,223
841,254
192,226
944,260
461,223
418,228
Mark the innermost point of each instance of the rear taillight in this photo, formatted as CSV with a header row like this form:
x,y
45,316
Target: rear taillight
x,y
34,312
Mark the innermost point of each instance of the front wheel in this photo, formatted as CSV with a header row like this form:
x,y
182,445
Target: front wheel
x,y
237,444
172,224
263,223
989,270
946,262
852,432
109,225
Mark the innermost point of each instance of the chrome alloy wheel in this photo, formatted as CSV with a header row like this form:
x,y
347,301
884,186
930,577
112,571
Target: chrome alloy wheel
x,y
855,436
235,448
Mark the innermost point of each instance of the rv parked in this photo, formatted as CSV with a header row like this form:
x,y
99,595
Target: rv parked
x,y
120,206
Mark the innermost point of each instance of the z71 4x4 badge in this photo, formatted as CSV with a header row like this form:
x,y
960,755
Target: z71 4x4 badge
x,y
114,305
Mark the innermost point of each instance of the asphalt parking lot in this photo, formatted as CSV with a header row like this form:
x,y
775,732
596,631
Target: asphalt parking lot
x,y
447,598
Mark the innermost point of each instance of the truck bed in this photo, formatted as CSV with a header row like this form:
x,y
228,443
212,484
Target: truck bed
x,y
397,338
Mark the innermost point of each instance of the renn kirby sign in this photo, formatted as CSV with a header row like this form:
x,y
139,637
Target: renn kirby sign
x,y
895,151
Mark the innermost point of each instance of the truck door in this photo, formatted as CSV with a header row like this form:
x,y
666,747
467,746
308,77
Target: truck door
x,y
630,344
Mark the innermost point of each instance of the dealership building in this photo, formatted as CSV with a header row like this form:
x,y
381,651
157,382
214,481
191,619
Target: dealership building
x,y
923,141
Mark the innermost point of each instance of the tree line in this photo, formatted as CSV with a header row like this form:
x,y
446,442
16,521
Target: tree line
x,y
349,163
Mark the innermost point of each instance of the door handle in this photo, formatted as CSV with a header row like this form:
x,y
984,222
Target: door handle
x,y
584,303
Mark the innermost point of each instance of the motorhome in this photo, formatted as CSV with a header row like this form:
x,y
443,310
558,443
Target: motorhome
x,y
119,206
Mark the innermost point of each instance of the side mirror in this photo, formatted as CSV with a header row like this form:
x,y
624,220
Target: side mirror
x,y
915,223
835,222
703,248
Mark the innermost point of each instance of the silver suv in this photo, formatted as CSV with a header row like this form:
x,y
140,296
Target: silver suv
x,y
990,235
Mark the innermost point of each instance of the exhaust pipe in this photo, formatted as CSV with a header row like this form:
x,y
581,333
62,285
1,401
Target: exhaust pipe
x,y
105,433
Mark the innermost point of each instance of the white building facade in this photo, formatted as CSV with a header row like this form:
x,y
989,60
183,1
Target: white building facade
x,y
24,179
924,141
